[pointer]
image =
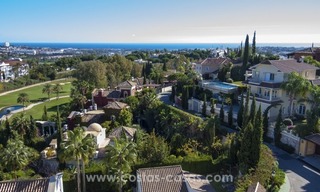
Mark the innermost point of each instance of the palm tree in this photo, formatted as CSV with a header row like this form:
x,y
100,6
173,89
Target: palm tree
x,y
21,123
120,157
79,147
295,86
57,88
23,98
48,89
16,155
315,98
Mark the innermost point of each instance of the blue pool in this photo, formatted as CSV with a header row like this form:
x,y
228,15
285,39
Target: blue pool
x,y
217,87
223,85
8,110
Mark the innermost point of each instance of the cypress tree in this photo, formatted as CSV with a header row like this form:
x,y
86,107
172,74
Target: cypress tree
x,y
33,128
254,44
240,112
173,93
144,79
257,137
277,128
164,67
245,117
245,58
221,115
143,71
252,109
246,149
8,133
204,106
230,116
212,106
59,130
265,123
45,114
185,97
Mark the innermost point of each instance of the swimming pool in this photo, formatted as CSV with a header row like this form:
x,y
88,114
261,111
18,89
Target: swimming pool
x,y
8,110
220,86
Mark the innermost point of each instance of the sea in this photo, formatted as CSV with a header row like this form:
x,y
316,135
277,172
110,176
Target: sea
x,y
149,46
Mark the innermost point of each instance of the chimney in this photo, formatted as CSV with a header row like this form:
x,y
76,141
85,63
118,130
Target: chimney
x,y
100,92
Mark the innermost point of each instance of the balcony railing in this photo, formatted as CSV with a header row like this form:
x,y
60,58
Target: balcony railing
x,y
262,98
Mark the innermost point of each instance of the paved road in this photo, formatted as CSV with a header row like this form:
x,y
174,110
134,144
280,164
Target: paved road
x,y
301,177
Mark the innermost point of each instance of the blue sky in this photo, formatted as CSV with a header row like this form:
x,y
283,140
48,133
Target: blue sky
x,y
159,21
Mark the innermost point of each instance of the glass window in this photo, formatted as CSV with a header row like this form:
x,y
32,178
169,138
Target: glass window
x,y
302,109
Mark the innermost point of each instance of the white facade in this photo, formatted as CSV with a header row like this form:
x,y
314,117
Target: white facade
x,y
5,71
265,85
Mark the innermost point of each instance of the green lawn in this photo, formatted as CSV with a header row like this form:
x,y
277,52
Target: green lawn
x,y
37,110
35,94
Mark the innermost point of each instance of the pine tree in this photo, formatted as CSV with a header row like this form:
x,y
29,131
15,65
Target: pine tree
x,y
245,59
252,109
45,114
230,116
240,112
204,106
277,128
254,44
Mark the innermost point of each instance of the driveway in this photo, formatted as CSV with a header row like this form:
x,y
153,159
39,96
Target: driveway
x,y
301,176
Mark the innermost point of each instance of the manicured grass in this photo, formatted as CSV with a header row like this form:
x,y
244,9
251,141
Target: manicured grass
x,y
37,110
35,94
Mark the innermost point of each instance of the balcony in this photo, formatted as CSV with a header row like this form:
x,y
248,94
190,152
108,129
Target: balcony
x,y
262,98
258,82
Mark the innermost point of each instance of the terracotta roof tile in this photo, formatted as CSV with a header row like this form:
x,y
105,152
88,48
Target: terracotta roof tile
x,y
290,65
36,185
153,179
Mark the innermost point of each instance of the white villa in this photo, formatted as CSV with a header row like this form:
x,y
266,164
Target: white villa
x,y
265,79
11,69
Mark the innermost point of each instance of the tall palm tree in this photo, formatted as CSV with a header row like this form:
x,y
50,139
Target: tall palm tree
x,y
23,98
79,147
121,156
48,89
16,155
57,88
295,86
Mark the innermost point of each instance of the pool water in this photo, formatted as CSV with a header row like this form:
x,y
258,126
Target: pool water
x,y
221,85
8,110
